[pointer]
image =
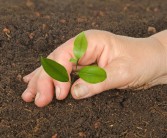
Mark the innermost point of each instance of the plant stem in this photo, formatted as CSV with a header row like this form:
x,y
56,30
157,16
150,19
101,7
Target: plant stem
x,y
77,64
73,76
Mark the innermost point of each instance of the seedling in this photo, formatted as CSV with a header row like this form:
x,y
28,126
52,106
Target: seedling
x,y
91,74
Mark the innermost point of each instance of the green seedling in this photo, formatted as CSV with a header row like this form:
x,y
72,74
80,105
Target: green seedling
x,y
91,74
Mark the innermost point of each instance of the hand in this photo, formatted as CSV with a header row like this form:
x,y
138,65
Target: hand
x,y
134,63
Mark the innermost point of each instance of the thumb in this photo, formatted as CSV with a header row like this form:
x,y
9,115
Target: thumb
x,y
117,77
82,89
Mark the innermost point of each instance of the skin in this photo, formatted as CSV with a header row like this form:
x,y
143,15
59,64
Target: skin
x,y
134,63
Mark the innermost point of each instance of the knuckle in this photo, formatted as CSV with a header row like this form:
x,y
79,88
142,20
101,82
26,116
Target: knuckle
x,y
59,53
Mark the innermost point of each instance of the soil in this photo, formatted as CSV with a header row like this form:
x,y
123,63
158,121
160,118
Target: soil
x,y
30,28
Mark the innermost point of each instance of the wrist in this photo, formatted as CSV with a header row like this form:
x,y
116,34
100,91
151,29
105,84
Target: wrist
x,y
161,38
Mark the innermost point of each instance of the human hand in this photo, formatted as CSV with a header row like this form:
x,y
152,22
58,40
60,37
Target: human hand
x,y
134,63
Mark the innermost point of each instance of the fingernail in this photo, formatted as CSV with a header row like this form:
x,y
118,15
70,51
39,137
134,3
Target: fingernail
x,y
27,93
25,79
37,96
80,90
57,92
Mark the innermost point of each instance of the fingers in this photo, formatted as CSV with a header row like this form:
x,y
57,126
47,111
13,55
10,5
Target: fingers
x,y
62,56
39,88
44,90
94,49
42,87
61,89
29,94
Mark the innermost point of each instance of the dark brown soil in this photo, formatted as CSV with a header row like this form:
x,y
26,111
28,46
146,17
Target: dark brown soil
x,y
31,28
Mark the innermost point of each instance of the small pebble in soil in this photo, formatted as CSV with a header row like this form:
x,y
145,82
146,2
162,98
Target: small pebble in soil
x,y
97,125
47,17
101,13
69,104
19,77
111,126
156,9
81,19
7,32
37,14
94,24
125,8
151,30
30,4
45,27
63,21
31,35
54,136
82,134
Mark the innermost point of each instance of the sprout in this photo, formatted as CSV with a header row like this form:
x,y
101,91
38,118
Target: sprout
x,y
91,74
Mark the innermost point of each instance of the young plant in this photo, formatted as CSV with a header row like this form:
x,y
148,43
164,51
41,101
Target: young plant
x,y
91,74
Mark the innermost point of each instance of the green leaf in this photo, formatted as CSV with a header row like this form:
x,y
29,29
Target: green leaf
x,y
55,70
73,60
80,45
92,74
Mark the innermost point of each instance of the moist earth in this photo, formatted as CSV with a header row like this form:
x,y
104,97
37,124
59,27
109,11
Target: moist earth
x,y
30,28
